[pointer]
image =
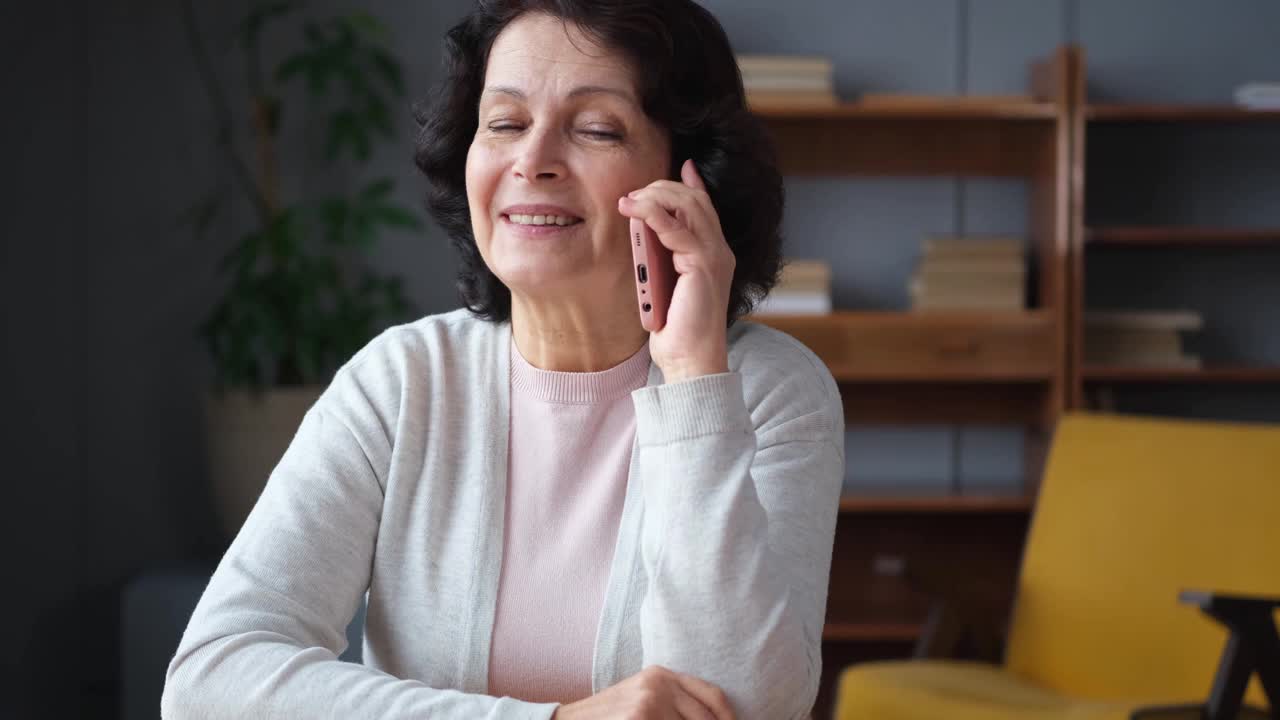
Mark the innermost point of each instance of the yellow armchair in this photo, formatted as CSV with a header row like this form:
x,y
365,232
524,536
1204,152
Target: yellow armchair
x,y
1131,512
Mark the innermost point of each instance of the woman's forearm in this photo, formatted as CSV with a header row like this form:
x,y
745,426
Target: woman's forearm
x,y
736,543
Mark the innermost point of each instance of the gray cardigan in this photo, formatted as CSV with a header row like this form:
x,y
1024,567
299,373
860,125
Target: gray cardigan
x,y
395,484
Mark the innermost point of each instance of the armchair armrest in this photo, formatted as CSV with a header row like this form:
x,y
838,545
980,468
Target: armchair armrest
x,y
961,620
1212,602
1252,646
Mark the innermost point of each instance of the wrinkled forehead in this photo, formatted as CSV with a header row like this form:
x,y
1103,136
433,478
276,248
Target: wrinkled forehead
x,y
541,54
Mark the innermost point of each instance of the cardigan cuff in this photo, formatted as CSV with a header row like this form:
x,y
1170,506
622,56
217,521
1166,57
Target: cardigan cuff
x,y
507,707
705,405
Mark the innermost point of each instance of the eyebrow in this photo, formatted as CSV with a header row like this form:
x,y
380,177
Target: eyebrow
x,y
576,92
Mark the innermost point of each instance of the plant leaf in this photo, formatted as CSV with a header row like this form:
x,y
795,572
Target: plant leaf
x,y
378,115
314,34
361,21
291,66
395,216
389,68
343,130
377,190
333,215
356,86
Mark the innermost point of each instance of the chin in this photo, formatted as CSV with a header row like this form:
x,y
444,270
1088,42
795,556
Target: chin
x,y
542,276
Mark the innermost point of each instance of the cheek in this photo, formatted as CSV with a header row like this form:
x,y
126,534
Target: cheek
x,y
477,181
481,179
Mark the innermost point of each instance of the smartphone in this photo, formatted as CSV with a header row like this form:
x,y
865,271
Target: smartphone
x,y
655,275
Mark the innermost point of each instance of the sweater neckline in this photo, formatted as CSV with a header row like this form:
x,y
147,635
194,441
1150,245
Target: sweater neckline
x,y
578,388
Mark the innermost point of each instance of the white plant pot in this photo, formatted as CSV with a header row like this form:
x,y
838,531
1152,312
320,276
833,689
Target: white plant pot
x,y
246,435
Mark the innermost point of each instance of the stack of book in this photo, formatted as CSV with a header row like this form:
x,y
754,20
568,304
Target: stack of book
x,y
1259,96
803,289
773,81
970,273
1141,338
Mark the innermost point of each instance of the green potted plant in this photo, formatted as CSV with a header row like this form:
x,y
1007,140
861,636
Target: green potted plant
x,y
294,309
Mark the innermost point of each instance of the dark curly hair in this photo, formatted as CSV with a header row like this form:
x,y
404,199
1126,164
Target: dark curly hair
x,y
689,85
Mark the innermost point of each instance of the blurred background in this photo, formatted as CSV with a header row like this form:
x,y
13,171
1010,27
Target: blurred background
x,y
132,246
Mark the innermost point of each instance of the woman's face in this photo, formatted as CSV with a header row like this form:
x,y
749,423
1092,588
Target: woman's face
x,y
561,136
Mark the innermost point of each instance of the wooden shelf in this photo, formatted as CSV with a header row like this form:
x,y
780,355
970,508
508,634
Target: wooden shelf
x,y
918,137
1207,375
1141,113
934,503
937,367
1154,236
939,108
927,347
872,631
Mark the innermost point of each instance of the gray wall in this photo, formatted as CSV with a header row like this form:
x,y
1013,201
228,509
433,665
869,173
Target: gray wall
x,y
109,132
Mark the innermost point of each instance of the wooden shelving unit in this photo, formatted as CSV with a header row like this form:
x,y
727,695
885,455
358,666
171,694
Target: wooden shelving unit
x,y
1204,375
939,108
939,367
946,137
1147,113
1156,237
936,367
879,632
872,347
935,503
1085,238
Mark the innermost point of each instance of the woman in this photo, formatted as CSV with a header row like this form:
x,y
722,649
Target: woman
x,y
555,513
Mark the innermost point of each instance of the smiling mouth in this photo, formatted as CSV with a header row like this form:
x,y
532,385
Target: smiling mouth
x,y
542,220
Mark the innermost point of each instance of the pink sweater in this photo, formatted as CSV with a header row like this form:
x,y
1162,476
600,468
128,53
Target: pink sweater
x,y
571,443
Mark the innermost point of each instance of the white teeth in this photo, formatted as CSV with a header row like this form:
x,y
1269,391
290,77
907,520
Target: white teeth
x,y
542,219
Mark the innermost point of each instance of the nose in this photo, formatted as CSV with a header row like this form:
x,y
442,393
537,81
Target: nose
x,y
540,157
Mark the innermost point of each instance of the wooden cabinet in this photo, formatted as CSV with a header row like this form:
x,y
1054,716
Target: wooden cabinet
x,y
1088,241
935,366
927,347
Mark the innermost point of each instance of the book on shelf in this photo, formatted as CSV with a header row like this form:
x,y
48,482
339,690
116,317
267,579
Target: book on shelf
x,y
804,288
962,284
779,81
969,273
1258,96
1184,320
785,100
972,264
782,83
961,301
1140,338
1184,361
799,272
798,65
794,303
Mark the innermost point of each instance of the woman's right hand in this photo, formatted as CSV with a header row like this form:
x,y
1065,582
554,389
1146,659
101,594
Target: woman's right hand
x,y
654,693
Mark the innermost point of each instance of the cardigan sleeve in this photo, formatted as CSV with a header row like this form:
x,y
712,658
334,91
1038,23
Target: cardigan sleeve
x,y
739,521
264,639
